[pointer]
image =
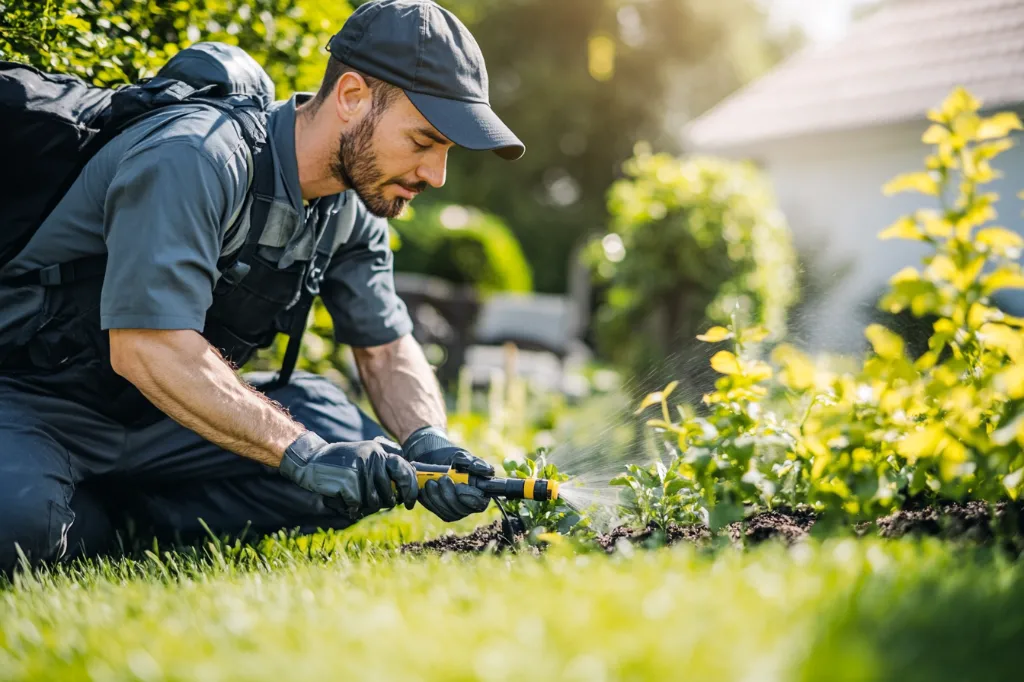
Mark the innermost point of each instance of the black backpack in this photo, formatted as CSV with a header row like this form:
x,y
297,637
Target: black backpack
x,y
53,124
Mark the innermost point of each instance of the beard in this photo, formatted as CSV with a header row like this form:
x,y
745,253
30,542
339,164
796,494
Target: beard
x,y
356,166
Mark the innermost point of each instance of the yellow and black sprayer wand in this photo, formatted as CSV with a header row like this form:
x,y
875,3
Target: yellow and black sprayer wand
x,y
540,489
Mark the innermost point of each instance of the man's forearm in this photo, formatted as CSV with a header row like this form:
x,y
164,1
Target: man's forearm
x,y
186,378
402,387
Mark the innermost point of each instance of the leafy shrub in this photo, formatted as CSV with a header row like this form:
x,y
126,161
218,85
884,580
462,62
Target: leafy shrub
x,y
946,426
692,239
951,423
462,245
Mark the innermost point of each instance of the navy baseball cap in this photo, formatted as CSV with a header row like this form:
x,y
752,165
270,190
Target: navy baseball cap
x,y
426,51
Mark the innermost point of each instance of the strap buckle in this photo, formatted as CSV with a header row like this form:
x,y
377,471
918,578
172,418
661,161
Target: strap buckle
x,y
313,278
50,275
236,273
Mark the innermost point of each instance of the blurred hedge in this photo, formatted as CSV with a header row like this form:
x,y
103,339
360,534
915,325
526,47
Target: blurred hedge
x,y
462,245
693,240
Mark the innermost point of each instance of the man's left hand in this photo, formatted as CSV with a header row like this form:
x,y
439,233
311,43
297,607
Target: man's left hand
x,y
448,500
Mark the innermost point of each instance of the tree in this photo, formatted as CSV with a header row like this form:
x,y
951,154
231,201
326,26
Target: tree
x,y
110,42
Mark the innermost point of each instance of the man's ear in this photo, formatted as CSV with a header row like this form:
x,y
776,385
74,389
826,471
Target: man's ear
x,y
352,97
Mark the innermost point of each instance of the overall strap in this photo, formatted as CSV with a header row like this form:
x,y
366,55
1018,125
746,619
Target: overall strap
x,y
310,290
87,267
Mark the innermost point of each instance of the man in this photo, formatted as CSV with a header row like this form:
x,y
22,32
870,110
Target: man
x,y
114,401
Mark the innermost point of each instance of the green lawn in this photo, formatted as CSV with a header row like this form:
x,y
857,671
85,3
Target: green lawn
x,y
839,610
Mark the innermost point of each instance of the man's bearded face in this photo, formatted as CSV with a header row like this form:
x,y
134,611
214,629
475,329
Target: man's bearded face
x,y
359,166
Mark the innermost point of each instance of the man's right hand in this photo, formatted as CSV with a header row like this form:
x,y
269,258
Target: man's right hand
x,y
354,477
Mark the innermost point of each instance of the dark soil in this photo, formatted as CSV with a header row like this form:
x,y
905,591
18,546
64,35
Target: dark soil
x,y
488,538
788,526
971,522
653,535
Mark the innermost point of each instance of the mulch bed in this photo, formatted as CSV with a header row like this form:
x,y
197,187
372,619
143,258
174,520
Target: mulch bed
x,y
488,538
970,522
653,535
788,526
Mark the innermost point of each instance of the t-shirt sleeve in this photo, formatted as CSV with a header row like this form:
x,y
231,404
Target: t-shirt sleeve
x,y
359,286
165,215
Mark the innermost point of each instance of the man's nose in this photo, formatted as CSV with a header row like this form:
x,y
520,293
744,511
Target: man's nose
x,y
435,171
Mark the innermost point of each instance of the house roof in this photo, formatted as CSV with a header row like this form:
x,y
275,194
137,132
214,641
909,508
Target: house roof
x,y
891,67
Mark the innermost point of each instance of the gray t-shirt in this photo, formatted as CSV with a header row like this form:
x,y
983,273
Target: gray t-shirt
x,y
159,199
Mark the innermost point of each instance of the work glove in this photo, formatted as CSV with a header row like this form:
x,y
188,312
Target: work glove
x,y
354,478
448,500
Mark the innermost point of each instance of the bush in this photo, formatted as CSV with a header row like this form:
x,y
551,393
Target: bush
x,y
691,240
948,425
462,245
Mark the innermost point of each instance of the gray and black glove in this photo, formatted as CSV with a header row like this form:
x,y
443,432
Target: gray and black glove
x,y
354,478
448,500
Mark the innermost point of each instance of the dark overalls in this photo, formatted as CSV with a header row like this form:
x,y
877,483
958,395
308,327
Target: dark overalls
x,y
82,452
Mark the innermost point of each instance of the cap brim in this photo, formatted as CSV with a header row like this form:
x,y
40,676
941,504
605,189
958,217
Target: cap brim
x,y
469,124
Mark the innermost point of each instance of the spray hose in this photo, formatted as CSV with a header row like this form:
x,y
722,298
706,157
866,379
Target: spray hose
x,y
540,489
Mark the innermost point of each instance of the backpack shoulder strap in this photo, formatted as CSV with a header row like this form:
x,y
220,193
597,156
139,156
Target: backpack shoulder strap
x,y
256,208
310,290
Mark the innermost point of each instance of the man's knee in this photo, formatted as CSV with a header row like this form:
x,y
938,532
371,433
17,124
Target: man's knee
x,y
36,519
322,407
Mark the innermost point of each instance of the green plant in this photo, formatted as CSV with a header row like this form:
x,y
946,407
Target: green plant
x,y
950,424
731,457
658,495
692,239
955,414
552,515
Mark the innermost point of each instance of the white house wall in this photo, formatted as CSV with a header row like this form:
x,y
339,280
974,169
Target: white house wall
x,y
830,190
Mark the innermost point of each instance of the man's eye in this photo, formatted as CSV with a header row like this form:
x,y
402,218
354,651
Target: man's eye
x,y
421,146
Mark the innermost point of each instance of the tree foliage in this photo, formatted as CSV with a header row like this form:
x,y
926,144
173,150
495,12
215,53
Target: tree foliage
x,y
111,42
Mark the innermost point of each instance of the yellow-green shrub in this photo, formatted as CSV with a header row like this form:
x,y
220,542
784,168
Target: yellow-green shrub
x,y
948,425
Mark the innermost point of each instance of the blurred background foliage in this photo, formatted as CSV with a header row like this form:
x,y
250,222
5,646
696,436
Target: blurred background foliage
x,y
462,245
595,78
